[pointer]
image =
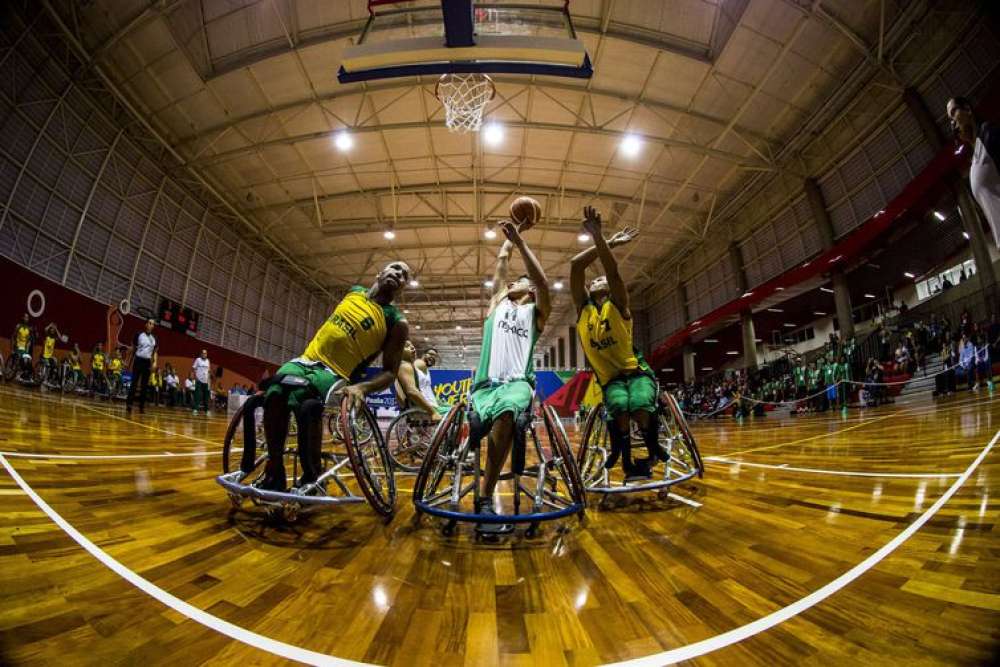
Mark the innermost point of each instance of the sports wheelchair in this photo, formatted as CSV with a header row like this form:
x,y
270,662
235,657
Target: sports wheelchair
x,y
675,440
354,469
408,438
18,366
450,473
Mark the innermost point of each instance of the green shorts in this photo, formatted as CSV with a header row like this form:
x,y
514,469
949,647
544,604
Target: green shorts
x,y
630,393
492,401
321,379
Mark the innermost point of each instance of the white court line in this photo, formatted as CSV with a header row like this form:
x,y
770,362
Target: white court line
x,y
687,501
165,455
735,635
821,471
273,646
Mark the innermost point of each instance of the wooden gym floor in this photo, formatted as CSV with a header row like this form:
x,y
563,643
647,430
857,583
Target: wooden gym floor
x,y
792,549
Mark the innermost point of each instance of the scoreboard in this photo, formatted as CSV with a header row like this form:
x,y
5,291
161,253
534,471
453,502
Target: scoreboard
x,y
179,319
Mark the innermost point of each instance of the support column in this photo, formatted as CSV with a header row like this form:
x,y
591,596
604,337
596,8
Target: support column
x,y
972,223
746,315
573,347
545,360
562,353
841,291
688,355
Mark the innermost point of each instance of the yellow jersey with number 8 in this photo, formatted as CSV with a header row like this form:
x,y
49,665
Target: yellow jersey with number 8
x,y
607,340
49,348
353,335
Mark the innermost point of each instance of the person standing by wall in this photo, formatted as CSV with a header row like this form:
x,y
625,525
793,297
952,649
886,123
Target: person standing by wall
x,y
202,374
145,347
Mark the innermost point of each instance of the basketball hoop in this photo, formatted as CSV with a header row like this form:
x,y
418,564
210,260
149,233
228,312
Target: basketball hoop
x,y
464,97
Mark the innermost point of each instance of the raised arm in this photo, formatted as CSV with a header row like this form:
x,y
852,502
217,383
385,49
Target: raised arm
x,y
580,262
500,273
392,355
543,300
619,293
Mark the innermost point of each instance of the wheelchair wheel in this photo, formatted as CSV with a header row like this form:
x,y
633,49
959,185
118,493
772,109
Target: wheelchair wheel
x,y
69,381
567,465
408,439
334,428
41,373
232,447
369,458
681,425
10,367
592,452
438,458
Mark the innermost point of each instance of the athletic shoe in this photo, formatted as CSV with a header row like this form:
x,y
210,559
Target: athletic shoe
x,y
638,470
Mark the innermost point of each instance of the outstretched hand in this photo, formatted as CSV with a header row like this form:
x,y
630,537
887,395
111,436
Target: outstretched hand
x,y
357,396
624,236
591,221
511,231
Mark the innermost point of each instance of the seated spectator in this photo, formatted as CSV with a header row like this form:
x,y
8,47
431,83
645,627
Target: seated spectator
x,y
189,387
172,385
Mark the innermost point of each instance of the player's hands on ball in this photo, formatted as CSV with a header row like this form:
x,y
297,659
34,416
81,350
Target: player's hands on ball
x,y
591,221
624,236
511,231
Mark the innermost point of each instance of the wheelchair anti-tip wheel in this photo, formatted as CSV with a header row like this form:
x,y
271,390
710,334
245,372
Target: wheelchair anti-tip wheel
x,y
352,470
674,440
408,438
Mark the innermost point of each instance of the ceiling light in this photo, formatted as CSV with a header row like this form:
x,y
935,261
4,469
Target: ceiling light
x,y
458,327
757,340
414,283
779,289
631,145
406,311
583,237
826,289
389,234
746,294
490,233
789,324
732,353
344,141
488,283
711,340
706,368
557,284
493,134
816,312
666,370
869,296
418,327
908,274
939,215
966,235
775,310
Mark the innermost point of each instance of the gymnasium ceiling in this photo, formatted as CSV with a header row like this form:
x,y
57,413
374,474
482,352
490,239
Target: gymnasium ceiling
x,y
246,92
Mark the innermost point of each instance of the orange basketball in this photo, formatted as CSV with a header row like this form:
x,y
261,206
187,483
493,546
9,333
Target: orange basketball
x,y
525,212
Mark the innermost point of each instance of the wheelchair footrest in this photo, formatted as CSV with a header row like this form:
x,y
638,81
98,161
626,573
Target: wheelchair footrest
x,y
232,483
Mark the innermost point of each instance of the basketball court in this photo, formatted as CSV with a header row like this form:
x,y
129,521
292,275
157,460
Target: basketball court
x,y
224,173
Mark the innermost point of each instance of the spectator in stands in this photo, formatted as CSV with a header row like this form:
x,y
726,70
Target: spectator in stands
x,y
171,384
967,360
221,397
945,382
984,178
145,346
202,368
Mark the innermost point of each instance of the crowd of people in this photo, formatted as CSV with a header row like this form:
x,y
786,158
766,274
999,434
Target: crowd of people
x,y
838,375
130,374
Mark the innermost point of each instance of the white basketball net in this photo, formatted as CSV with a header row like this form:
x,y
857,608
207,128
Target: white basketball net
x,y
464,97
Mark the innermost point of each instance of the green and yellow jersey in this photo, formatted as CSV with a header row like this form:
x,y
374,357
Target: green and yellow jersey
x,y
97,361
74,361
115,365
49,347
353,335
606,337
22,336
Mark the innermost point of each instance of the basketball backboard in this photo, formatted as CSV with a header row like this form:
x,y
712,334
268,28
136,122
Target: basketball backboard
x,y
418,37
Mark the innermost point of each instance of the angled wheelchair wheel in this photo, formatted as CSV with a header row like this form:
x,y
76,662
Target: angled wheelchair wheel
x,y
369,457
564,461
69,382
438,460
593,449
408,438
676,422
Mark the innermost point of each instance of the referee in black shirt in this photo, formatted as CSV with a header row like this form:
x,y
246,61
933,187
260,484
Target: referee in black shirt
x,y
145,346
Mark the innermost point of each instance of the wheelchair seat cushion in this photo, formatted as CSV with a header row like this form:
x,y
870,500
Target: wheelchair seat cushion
x,y
492,401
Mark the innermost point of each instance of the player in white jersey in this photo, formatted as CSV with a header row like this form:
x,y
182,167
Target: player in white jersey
x,y
504,381
413,387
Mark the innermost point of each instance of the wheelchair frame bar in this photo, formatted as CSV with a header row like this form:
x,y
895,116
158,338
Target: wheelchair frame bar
x,y
499,518
231,483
